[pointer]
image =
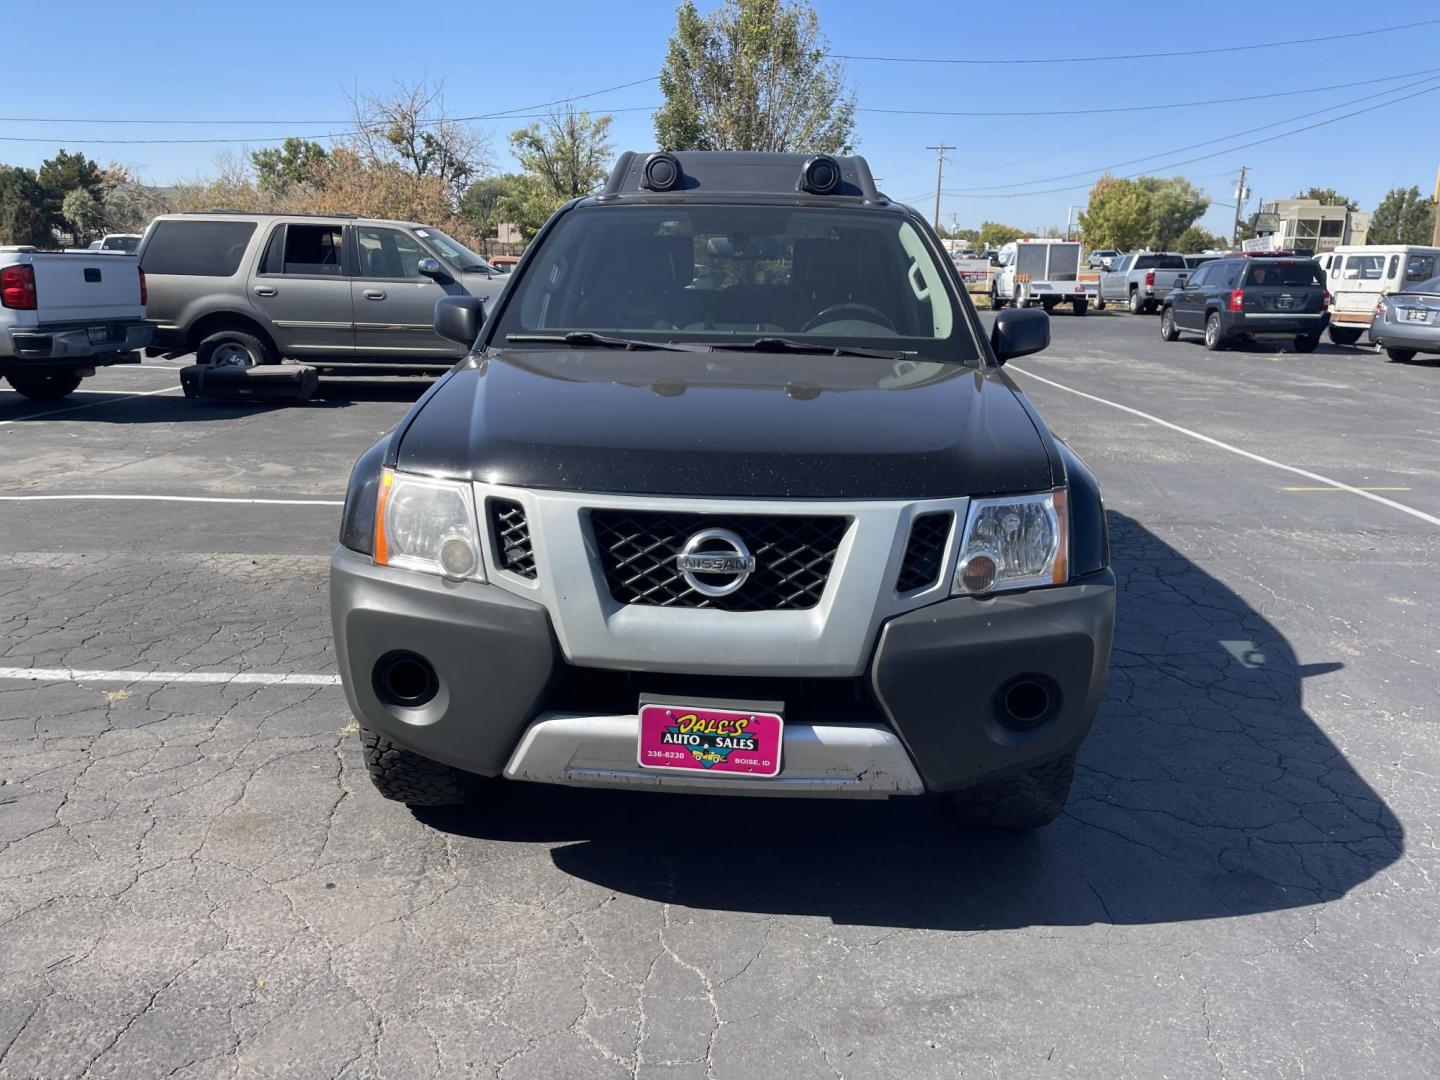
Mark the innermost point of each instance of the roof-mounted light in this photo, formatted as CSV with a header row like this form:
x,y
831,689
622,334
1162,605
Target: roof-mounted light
x,y
821,175
661,172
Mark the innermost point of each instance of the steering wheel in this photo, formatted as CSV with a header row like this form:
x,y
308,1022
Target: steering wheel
x,y
868,313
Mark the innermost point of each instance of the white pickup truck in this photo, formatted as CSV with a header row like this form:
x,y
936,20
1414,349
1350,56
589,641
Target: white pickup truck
x,y
1040,271
62,315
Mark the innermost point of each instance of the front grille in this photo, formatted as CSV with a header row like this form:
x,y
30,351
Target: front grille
x,y
511,533
923,552
793,556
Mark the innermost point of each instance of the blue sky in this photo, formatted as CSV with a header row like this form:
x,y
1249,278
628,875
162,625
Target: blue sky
x,y
295,61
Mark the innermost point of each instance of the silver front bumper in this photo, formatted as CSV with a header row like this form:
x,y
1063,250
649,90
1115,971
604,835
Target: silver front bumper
x,y
859,761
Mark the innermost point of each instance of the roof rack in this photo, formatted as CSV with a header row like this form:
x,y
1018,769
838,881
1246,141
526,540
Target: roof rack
x,y
742,172
267,213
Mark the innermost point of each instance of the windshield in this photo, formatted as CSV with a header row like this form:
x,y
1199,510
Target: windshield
x,y
722,274
454,254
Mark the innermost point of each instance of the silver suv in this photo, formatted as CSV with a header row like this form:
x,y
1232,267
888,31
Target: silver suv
x,y
248,289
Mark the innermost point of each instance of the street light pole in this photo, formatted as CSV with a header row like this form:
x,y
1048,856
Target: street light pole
x,y
1239,202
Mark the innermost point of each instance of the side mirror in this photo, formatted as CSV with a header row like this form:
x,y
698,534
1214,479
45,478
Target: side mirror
x,y
1181,280
1019,332
431,268
459,318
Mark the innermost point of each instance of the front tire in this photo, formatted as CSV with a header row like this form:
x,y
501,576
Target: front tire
x,y
1099,302
1344,335
234,348
995,302
1026,800
1168,330
407,777
44,387
1400,356
1137,302
1214,338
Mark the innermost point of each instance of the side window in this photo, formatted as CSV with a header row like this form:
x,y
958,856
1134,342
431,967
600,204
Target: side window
x,y
274,260
388,253
1336,262
1420,268
312,249
1201,276
1394,267
197,248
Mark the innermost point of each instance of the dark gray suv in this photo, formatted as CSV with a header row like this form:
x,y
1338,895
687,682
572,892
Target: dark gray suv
x,y
248,289
794,532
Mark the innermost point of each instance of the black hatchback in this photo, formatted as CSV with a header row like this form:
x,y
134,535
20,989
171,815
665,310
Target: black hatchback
x,y
1243,297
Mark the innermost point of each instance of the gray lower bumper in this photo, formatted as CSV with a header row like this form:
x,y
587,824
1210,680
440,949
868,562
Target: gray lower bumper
x,y
935,675
74,343
844,760
1397,335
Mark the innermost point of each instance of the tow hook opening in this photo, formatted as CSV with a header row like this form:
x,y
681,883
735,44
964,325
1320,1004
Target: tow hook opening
x,y
405,679
1027,701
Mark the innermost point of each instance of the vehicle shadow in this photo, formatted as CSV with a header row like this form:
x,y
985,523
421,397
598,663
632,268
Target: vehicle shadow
x,y
332,393
1205,791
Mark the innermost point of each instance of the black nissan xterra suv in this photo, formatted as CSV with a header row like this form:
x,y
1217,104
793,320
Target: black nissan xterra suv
x,y
732,495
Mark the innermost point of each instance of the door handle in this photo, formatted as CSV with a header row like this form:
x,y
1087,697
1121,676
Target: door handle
x,y
374,294
264,290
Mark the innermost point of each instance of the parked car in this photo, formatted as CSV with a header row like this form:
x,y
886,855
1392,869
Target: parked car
x,y
1102,259
1040,272
1360,275
1140,279
1242,297
62,315
248,289
1408,322
801,537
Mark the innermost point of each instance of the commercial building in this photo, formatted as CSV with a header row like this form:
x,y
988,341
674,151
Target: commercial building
x,y
1306,225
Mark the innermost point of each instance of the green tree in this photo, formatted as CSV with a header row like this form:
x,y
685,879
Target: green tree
x,y
22,215
753,75
1196,239
562,158
84,214
1404,216
993,235
62,174
296,161
1148,212
486,205
1328,196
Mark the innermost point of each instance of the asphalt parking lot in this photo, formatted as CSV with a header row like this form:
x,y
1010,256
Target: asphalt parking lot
x,y
197,879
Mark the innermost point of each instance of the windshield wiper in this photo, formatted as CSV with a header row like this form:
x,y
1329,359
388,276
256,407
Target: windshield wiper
x,y
586,339
789,345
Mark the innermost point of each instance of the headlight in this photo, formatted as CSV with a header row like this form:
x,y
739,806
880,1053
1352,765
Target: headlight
x,y
1015,542
427,525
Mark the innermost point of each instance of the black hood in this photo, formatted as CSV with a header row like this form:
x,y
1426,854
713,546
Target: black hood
x,y
728,424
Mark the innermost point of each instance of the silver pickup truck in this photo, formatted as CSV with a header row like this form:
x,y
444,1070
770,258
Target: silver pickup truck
x,y
1141,279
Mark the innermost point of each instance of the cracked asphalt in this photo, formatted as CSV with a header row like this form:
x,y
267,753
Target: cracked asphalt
x,y
199,881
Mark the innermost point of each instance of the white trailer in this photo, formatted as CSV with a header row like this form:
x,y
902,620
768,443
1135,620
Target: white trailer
x,y
1044,272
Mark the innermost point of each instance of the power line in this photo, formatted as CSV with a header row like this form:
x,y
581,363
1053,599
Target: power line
x,y
1136,56
105,141
1150,108
1218,153
523,112
1187,148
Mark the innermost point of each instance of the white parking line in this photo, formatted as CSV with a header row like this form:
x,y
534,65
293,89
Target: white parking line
x,y
172,498
216,678
111,399
1317,477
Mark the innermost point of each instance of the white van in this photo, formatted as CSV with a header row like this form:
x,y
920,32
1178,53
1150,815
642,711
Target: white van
x,y
1358,276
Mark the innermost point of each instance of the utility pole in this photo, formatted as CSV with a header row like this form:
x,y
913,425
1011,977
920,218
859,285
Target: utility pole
x,y
1435,240
1069,215
1239,203
939,176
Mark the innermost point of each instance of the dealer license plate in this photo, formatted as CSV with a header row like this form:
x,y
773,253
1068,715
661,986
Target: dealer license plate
x,y
682,738
1417,315
98,335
